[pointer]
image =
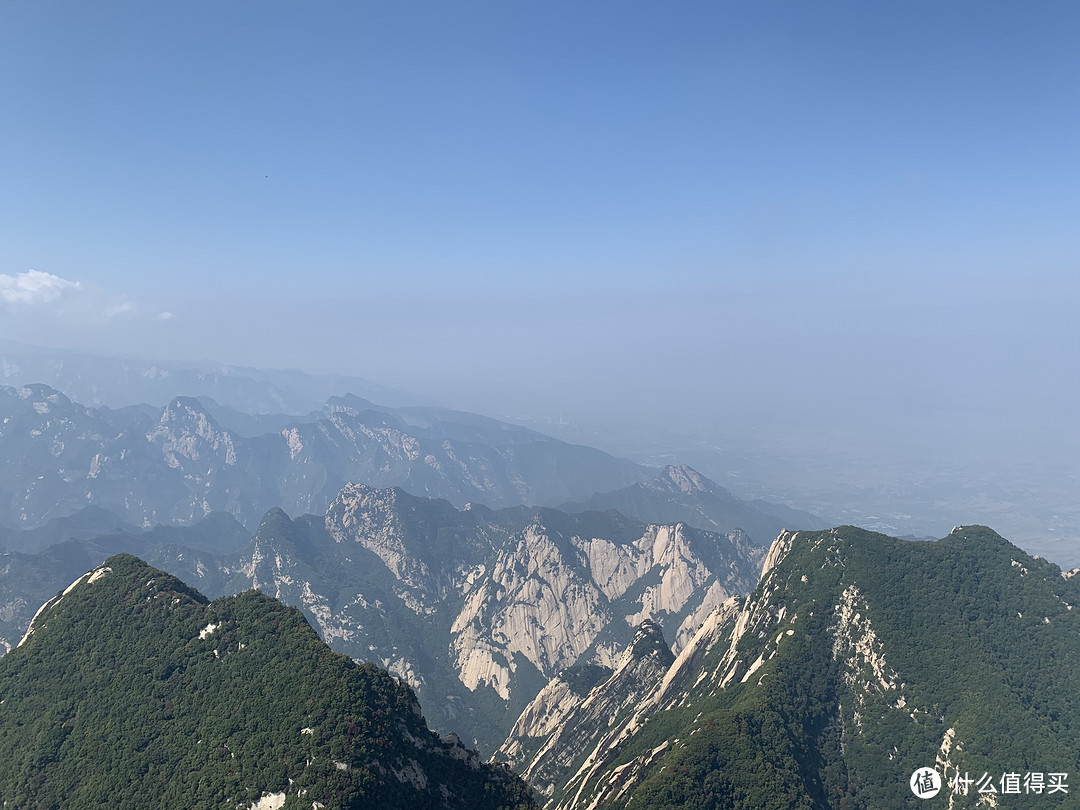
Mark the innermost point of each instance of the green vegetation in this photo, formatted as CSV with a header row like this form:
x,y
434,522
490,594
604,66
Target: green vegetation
x,y
971,635
134,692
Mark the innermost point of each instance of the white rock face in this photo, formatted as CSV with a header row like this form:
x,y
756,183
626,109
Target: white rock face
x,y
708,662
614,568
99,573
269,801
504,599
533,603
542,716
483,665
714,597
294,441
856,645
368,516
549,603
682,573
559,725
780,548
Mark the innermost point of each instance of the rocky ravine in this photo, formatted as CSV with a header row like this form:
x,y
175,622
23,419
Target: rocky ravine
x,y
579,706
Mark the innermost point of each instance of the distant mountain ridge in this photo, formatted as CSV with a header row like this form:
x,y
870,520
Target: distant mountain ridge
x,y
177,464
682,494
119,382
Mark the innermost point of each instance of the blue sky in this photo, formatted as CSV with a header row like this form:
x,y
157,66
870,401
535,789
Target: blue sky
x,y
514,206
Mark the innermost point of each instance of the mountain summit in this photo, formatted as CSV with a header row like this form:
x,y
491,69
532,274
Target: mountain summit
x,y
682,494
130,685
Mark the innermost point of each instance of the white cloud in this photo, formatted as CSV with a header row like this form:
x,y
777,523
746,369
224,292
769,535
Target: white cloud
x,y
34,288
165,316
45,295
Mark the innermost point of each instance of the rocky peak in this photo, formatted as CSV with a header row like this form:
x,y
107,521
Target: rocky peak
x,y
189,413
273,521
186,430
37,398
369,516
376,518
39,392
277,530
360,504
779,549
682,478
348,404
419,540
648,640
355,500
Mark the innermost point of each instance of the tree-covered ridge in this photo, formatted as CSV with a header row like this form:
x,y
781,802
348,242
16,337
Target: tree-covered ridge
x,y
133,691
859,659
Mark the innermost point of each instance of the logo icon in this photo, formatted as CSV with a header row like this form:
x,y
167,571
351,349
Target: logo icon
x,y
925,783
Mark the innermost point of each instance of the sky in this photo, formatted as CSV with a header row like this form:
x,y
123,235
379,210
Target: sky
x,y
704,213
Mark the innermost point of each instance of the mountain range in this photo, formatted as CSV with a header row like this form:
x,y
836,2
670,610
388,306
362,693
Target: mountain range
x,y
117,382
619,635
858,661
177,463
476,608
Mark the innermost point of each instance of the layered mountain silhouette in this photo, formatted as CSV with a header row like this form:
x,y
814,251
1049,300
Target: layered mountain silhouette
x,y
177,463
118,382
